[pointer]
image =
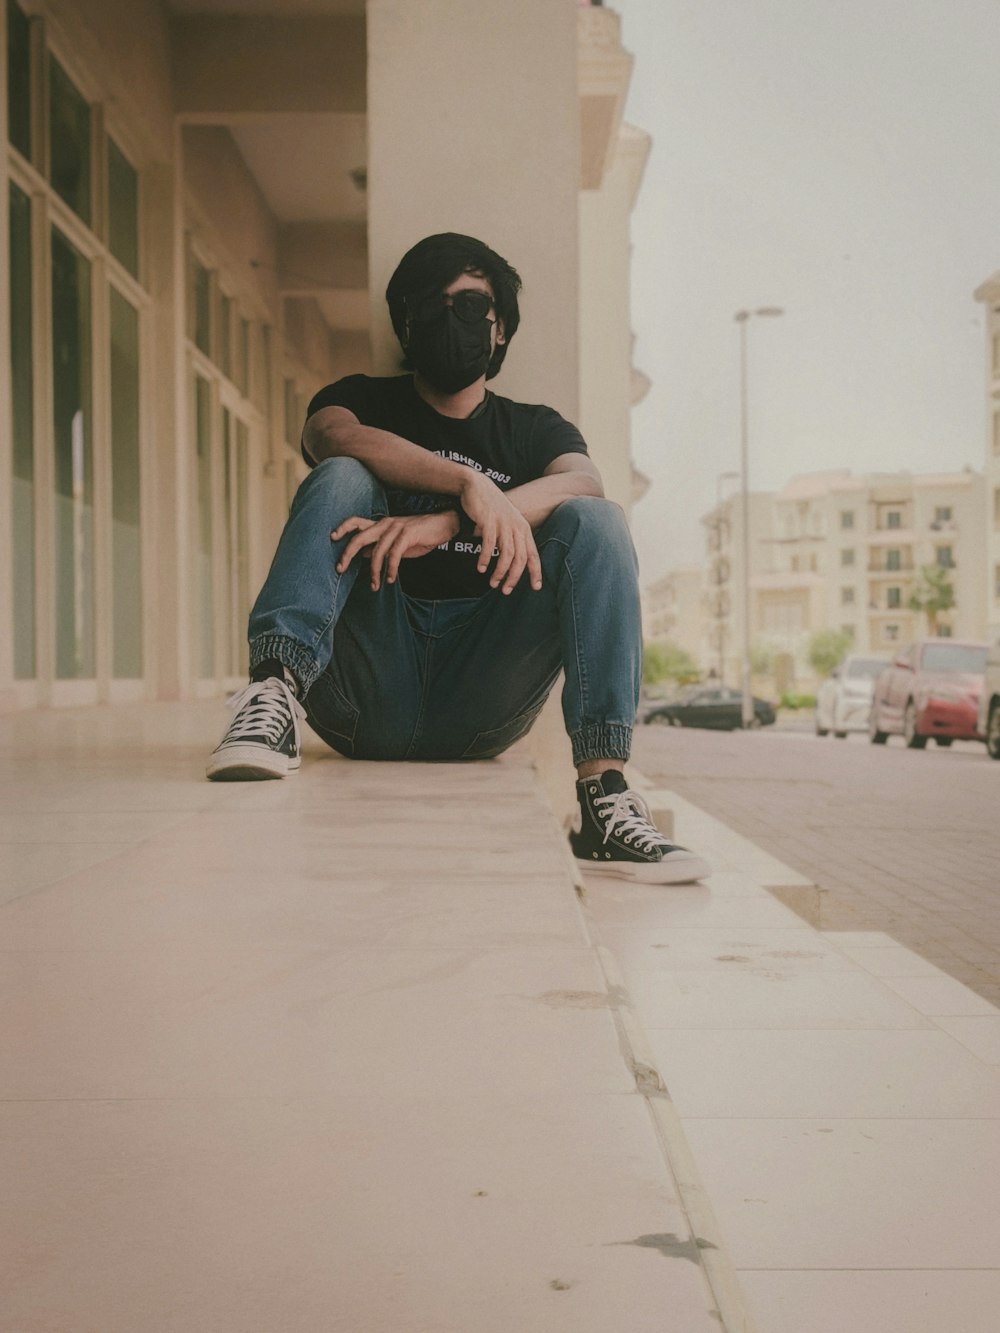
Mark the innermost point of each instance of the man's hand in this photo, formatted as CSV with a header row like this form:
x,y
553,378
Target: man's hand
x,y
389,540
501,527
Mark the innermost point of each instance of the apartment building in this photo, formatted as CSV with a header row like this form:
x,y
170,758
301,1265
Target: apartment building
x,y
673,611
989,294
724,583
202,201
836,551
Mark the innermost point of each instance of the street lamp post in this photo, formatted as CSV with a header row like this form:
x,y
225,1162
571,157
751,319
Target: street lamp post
x,y
720,616
742,318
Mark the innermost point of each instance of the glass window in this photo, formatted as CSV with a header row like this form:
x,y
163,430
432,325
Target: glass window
x,y
243,356
126,571
226,336
964,657
18,79
203,555
238,470
894,598
263,385
201,307
22,414
945,558
866,668
942,514
847,556
848,631
69,141
123,209
893,559
847,518
293,428
944,632
292,485
74,470
890,632
846,596
894,519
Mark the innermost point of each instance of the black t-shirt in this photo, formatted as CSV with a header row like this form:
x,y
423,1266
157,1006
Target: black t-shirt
x,y
512,443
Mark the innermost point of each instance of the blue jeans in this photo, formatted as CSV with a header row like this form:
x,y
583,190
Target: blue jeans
x,y
388,676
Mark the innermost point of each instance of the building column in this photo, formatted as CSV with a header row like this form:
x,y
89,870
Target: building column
x,y
473,126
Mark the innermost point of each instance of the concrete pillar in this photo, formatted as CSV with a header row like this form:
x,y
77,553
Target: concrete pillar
x,y
473,126
605,316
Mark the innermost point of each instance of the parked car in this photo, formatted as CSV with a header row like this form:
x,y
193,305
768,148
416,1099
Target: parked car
x,y
988,721
844,700
931,689
715,707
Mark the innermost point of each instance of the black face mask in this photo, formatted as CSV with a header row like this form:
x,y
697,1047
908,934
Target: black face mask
x,y
449,351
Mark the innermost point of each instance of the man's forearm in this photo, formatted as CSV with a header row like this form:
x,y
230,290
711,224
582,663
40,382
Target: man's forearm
x,y
395,461
537,499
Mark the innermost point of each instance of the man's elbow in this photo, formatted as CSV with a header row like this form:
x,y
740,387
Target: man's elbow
x,y
591,484
320,443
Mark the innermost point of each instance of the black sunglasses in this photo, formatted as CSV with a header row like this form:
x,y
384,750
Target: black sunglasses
x,y
469,306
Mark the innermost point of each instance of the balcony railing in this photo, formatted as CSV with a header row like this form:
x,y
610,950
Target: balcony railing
x,y
877,564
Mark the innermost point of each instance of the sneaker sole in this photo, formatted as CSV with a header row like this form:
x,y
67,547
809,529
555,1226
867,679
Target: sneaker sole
x,y
650,872
249,763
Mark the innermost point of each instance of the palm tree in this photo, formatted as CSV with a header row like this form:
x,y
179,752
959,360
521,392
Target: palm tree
x,y
934,594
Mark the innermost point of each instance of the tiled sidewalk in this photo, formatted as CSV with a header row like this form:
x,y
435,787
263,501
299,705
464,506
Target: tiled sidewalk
x,y
334,1053
840,1095
347,1052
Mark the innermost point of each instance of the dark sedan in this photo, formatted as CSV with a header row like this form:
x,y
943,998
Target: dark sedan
x,y
715,707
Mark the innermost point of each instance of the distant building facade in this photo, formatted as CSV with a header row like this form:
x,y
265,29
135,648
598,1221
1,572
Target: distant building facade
x,y
673,611
832,551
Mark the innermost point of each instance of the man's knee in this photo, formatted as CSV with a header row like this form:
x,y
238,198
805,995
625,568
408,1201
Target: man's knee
x,y
345,479
589,516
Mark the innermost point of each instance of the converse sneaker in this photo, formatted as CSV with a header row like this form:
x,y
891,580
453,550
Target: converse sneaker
x,y
262,741
617,836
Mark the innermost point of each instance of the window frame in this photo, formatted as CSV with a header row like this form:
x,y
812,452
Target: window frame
x,y
49,212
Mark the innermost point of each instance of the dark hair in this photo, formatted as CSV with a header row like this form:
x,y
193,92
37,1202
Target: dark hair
x,y
431,264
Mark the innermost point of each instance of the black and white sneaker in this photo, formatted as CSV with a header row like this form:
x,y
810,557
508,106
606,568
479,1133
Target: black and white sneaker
x,y
262,741
617,836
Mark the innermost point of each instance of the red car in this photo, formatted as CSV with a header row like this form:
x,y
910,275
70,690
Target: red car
x,y
931,689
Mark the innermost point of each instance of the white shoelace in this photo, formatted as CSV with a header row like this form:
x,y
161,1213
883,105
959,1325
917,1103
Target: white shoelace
x,y
261,709
629,815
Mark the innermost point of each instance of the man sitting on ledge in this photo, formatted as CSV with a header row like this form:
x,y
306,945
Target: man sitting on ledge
x,y
449,554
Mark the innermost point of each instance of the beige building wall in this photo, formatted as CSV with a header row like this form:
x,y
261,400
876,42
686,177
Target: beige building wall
x,y
605,317
473,126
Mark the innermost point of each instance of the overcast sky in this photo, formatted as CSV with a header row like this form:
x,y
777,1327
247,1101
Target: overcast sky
x,y
839,158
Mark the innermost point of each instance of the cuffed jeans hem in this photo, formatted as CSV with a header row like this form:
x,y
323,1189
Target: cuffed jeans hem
x,y
605,740
290,653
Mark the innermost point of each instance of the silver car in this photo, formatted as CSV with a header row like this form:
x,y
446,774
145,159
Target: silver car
x,y
843,701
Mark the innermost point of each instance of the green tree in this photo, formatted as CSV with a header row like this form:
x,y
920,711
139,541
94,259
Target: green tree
x,y
665,661
933,594
827,648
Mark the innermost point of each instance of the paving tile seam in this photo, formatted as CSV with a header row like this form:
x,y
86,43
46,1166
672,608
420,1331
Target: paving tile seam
x,y
717,1267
